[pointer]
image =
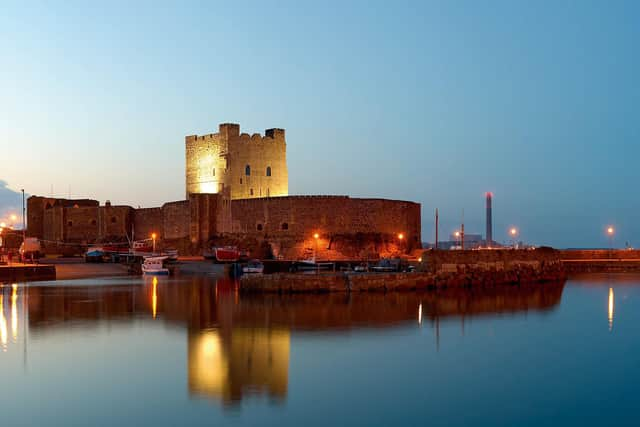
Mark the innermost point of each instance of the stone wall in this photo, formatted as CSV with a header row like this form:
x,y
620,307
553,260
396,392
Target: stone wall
x,y
346,227
175,219
599,254
80,224
281,227
251,166
37,206
147,221
498,259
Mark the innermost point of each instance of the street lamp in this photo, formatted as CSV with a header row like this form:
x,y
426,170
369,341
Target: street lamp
x,y
457,236
153,237
316,236
611,232
400,236
513,232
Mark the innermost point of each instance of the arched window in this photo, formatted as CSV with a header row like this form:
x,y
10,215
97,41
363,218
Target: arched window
x,y
70,223
251,191
259,227
213,172
285,226
268,170
247,170
113,220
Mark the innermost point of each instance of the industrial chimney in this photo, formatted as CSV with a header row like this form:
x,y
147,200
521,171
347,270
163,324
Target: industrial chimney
x,y
489,235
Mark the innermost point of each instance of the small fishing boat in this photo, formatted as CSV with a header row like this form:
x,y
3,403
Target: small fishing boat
x,y
94,254
253,266
310,265
227,254
142,248
154,265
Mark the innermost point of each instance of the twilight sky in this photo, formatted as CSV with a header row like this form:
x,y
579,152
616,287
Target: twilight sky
x,y
435,102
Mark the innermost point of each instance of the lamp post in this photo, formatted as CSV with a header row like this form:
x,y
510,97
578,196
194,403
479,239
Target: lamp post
x,y
153,237
24,225
316,236
457,235
611,232
513,232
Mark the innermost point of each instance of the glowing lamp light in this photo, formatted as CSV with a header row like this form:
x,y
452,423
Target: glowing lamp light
x,y
400,236
610,231
3,224
457,234
316,236
513,231
153,236
14,218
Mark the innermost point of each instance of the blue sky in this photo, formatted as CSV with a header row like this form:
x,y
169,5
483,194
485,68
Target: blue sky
x,y
436,102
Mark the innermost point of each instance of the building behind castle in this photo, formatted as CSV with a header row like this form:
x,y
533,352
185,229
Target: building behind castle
x,y
232,181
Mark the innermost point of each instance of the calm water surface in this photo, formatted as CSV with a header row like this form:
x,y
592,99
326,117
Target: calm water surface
x,y
121,352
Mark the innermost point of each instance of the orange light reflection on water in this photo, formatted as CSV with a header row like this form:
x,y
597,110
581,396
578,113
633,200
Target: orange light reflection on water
x,y
610,309
154,297
3,325
14,312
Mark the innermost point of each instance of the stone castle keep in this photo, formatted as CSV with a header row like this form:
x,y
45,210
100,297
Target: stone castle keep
x,y
252,166
237,193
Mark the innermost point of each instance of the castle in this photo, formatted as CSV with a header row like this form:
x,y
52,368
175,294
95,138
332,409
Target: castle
x,y
237,193
251,166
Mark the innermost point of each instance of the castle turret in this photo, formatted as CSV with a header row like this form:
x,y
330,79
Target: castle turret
x,y
229,130
274,133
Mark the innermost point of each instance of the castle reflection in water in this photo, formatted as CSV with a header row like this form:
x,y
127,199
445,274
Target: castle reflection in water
x,y
240,344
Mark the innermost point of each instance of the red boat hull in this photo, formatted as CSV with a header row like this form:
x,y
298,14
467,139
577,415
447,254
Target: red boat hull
x,y
227,254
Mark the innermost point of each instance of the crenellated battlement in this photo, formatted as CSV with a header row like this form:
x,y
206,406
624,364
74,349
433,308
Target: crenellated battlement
x,y
231,131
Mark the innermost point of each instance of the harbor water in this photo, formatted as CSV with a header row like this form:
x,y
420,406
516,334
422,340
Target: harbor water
x,y
193,351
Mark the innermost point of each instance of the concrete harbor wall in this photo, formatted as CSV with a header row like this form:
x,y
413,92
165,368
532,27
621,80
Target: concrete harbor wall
x,y
600,254
438,270
601,260
26,273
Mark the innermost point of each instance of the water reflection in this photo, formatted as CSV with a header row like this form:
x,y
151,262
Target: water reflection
x,y
610,309
14,312
249,360
154,297
3,324
239,345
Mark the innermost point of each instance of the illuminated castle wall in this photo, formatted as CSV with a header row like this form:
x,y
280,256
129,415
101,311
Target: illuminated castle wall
x,y
252,166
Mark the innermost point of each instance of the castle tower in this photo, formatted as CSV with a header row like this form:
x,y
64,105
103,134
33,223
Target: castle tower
x,y
249,166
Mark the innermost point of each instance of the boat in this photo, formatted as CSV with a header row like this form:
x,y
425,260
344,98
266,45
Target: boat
x,y
253,266
154,265
94,254
142,248
172,254
310,265
226,254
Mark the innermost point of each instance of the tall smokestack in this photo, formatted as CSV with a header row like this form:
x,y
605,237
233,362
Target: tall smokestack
x,y
489,235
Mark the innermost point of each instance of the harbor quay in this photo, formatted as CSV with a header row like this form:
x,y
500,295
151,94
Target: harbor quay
x,y
18,272
437,270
